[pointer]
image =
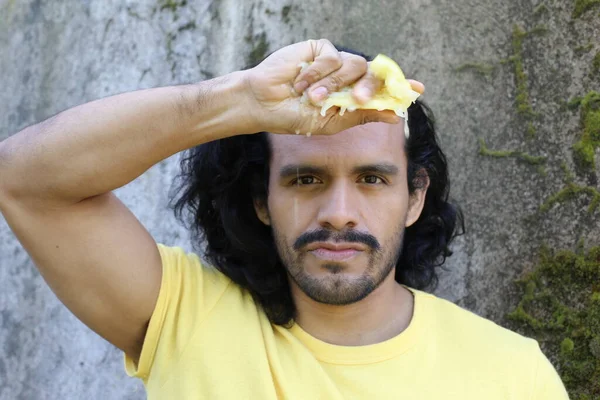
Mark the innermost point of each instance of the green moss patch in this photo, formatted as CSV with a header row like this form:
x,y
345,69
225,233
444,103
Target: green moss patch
x,y
260,48
560,307
574,103
522,99
530,130
584,149
480,68
596,63
285,14
525,157
569,177
570,192
581,6
172,5
540,9
540,29
584,48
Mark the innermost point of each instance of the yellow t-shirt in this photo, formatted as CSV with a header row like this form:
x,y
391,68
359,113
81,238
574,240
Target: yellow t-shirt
x,y
207,339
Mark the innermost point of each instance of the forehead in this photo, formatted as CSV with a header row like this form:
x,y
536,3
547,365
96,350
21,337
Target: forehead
x,y
373,142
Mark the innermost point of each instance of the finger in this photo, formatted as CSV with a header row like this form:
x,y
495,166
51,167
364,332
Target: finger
x,y
326,60
353,68
366,87
416,86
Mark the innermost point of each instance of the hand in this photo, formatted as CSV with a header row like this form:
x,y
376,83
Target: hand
x,y
275,87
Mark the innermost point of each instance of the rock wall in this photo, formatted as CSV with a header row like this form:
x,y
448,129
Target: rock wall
x,y
503,79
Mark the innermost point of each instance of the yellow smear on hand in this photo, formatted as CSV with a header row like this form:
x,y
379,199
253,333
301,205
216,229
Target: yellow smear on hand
x,y
395,94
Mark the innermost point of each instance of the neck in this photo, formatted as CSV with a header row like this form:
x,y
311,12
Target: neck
x,y
383,314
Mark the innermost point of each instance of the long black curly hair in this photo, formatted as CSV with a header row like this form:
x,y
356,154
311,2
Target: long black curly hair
x,y
220,180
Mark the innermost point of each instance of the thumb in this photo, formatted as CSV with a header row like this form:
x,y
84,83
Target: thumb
x,y
337,123
361,117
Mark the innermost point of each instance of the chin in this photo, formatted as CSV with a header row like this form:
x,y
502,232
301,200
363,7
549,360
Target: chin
x,y
339,291
342,270
339,288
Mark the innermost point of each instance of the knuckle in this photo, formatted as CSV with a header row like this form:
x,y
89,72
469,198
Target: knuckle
x,y
370,84
325,42
335,82
358,64
319,70
334,60
315,73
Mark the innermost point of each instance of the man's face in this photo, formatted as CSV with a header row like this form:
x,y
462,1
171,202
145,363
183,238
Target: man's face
x,y
338,206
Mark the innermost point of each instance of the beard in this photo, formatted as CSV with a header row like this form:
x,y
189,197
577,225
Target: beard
x,y
338,288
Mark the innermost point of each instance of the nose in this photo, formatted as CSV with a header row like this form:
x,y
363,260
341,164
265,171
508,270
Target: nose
x,y
339,208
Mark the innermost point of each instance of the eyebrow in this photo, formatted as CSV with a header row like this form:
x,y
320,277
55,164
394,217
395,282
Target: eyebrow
x,y
301,169
306,169
378,168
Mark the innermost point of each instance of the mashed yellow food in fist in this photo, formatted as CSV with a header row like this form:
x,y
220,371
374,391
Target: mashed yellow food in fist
x,y
395,94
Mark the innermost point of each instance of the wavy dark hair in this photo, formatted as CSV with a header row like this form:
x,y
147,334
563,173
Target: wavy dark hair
x,y
220,180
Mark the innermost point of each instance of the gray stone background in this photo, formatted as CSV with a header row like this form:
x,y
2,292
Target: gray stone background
x,y
58,54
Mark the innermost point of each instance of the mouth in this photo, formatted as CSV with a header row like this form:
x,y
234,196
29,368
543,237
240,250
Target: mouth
x,y
335,251
335,255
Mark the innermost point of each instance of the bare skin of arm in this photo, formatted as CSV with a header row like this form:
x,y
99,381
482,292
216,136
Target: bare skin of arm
x,y
57,177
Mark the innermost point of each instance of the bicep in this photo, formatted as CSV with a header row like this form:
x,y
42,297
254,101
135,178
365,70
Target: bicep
x,y
99,261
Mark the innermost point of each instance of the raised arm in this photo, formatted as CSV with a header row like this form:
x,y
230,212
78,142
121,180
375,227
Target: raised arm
x,y
56,177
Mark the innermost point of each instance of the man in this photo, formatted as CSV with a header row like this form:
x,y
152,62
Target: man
x,y
319,245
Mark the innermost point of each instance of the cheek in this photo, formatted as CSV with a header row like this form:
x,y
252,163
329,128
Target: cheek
x,y
384,213
288,212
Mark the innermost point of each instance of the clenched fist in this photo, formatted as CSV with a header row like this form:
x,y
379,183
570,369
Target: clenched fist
x,y
276,86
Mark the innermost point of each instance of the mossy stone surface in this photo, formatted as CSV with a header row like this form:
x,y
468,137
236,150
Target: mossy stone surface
x,y
560,307
65,53
520,155
582,6
584,149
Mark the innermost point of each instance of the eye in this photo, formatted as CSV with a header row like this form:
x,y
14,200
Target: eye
x,y
305,180
372,179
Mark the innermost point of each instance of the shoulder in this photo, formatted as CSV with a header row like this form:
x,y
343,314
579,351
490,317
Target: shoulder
x,y
469,344
198,285
189,291
451,323
190,288
179,262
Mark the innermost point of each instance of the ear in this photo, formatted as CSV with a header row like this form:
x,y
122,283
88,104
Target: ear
x,y
417,199
262,212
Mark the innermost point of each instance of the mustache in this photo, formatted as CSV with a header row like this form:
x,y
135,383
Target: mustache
x,y
324,235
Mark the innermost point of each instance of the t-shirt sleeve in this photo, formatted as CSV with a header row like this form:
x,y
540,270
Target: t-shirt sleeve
x,y
188,292
547,384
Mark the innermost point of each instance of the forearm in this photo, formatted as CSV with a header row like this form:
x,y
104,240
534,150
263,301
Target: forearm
x,y
102,145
